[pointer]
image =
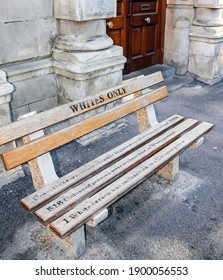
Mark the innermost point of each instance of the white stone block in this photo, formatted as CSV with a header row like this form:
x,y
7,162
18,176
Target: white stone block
x,y
34,90
26,40
44,104
5,90
81,10
83,36
88,62
19,111
21,10
177,37
173,13
209,3
71,89
206,56
2,77
28,70
208,17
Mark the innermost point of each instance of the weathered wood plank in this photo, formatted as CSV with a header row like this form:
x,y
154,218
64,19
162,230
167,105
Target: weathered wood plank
x,y
54,140
42,120
80,214
66,201
40,197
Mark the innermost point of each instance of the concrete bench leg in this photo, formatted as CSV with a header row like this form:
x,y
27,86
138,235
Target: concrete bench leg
x,y
78,242
74,245
170,171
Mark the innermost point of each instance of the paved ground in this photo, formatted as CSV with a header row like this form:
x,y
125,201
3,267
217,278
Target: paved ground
x,y
157,220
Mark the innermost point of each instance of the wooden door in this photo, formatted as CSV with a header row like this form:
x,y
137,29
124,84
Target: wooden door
x,y
117,27
139,28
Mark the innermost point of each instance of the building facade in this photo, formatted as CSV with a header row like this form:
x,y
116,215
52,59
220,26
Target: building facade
x,y
194,38
54,51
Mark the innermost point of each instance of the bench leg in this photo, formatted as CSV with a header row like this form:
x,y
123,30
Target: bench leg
x,y
78,242
170,170
74,245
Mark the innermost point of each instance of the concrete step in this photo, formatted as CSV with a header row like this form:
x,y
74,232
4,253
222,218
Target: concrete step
x,y
172,81
167,71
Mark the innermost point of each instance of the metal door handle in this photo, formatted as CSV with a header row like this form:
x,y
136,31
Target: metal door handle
x,y
147,20
110,24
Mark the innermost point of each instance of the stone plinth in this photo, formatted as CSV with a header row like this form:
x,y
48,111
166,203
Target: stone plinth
x,y
85,73
5,118
179,18
206,42
206,54
84,57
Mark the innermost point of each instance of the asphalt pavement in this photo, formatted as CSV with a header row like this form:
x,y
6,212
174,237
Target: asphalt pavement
x,y
159,220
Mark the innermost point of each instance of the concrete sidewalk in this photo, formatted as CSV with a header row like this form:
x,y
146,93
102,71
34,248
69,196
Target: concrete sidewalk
x,y
157,220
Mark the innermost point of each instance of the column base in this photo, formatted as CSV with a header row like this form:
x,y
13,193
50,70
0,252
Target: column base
x,y
206,54
81,74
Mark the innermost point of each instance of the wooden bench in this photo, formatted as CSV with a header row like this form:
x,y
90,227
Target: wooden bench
x,y
83,196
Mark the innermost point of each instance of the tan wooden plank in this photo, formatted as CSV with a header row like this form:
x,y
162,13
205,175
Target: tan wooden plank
x,y
40,197
47,143
47,118
66,201
80,214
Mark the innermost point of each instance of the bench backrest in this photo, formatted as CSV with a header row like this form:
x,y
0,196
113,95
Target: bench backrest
x,y
46,143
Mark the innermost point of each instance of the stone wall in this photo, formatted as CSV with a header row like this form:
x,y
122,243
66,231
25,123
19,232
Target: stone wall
x,y
55,51
27,29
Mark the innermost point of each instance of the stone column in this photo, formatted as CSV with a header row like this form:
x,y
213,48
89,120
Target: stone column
x,y
206,47
179,18
5,118
85,59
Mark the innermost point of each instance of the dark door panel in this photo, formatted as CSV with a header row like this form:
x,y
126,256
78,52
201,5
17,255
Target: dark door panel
x,y
139,29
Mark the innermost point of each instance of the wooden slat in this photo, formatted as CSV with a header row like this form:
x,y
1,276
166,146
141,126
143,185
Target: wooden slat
x,y
66,201
47,118
76,217
47,143
41,197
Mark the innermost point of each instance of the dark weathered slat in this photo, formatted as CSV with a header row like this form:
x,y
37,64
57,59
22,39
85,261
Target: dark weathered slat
x,y
66,201
76,217
47,118
42,196
54,140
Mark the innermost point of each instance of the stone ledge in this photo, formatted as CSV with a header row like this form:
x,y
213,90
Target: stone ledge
x,y
86,65
27,70
210,82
